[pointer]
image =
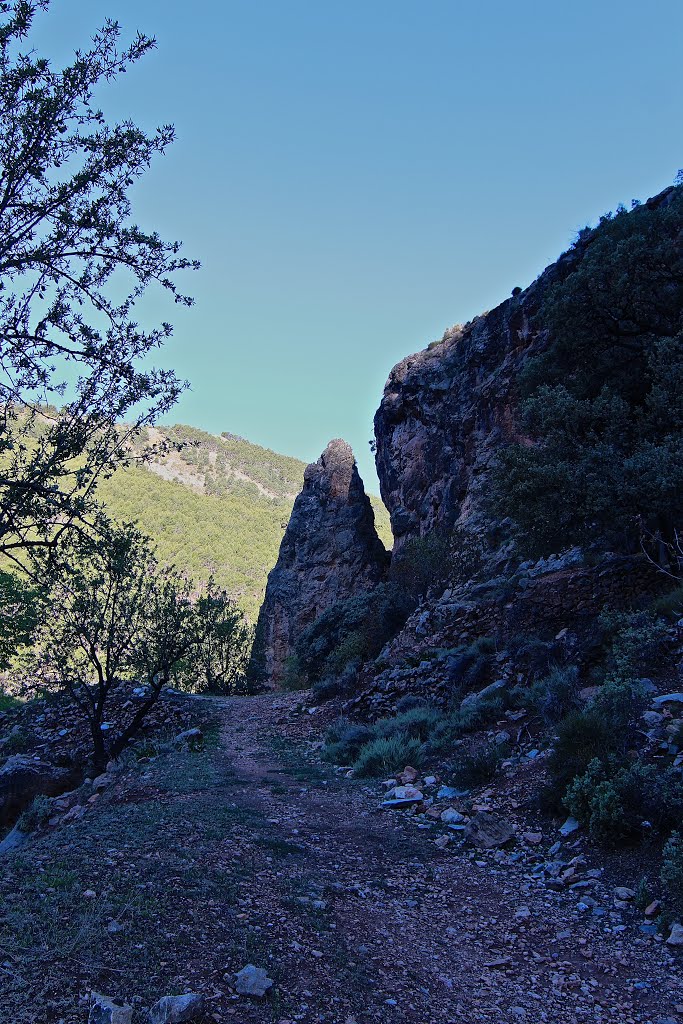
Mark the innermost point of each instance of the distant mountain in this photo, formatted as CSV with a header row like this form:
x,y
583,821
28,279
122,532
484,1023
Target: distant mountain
x,y
218,506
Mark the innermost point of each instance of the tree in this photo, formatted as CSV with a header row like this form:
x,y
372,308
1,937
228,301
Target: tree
x,y
602,405
73,265
113,616
221,655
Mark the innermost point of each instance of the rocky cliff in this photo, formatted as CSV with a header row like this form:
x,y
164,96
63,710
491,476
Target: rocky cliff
x,y
330,552
447,409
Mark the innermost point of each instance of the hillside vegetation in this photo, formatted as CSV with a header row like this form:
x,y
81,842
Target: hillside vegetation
x,y
218,506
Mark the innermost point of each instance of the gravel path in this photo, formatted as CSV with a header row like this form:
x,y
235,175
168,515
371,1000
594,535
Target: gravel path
x,y
253,852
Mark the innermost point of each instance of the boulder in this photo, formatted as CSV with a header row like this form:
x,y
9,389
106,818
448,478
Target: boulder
x,y
107,1010
13,840
175,1009
188,737
488,831
253,981
402,796
24,778
676,936
668,698
451,817
473,698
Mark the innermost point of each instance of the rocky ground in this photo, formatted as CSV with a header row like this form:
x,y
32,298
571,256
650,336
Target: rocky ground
x,y
181,870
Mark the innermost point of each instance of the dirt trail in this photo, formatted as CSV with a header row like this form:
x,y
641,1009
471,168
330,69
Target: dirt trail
x,y
409,932
254,852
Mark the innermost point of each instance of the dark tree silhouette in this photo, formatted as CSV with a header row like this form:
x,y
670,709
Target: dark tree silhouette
x,y
73,264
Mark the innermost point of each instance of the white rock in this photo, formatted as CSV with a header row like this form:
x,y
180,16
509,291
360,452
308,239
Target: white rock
x,y
452,817
676,936
570,825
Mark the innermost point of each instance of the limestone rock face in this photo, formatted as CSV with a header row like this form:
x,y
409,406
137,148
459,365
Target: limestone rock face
x,y
447,410
444,413
330,552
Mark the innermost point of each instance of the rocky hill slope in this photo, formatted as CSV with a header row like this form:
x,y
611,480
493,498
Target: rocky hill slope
x,y
552,679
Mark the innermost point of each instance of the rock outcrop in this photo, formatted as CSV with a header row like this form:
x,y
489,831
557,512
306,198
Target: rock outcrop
x,y
330,552
24,778
444,413
447,410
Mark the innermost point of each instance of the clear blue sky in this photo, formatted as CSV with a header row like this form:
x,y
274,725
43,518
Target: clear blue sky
x,y
358,175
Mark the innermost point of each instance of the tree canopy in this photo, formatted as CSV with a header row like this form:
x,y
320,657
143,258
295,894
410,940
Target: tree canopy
x,y
73,265
602,404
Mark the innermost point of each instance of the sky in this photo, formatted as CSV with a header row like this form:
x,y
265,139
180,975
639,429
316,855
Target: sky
x,y
358,175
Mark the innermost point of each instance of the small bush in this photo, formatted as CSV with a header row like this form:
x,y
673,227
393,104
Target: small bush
x,y
421,563
620,802
386,755
352,630
294,677
637,646
7,701
478,766
409,702
671,876
35,815
603,731
18,742
344,740
342,685
417,723
553,697
468,667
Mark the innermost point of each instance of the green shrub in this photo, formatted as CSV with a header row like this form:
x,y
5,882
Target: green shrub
x,y
620,802
553,697
468,667
447,730
352,630
603,731
342,685
344,740
7,701
18,742
671,876
418,723
478,766
294,677
384,756
409,702
421,563
637,644
35,815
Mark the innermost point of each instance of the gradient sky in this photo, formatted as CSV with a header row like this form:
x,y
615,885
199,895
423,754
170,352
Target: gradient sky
x,y
358,175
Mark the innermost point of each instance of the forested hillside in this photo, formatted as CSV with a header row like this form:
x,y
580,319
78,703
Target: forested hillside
x,y
218,506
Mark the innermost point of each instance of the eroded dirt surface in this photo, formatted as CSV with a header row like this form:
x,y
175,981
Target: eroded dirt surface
x,y
253,852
